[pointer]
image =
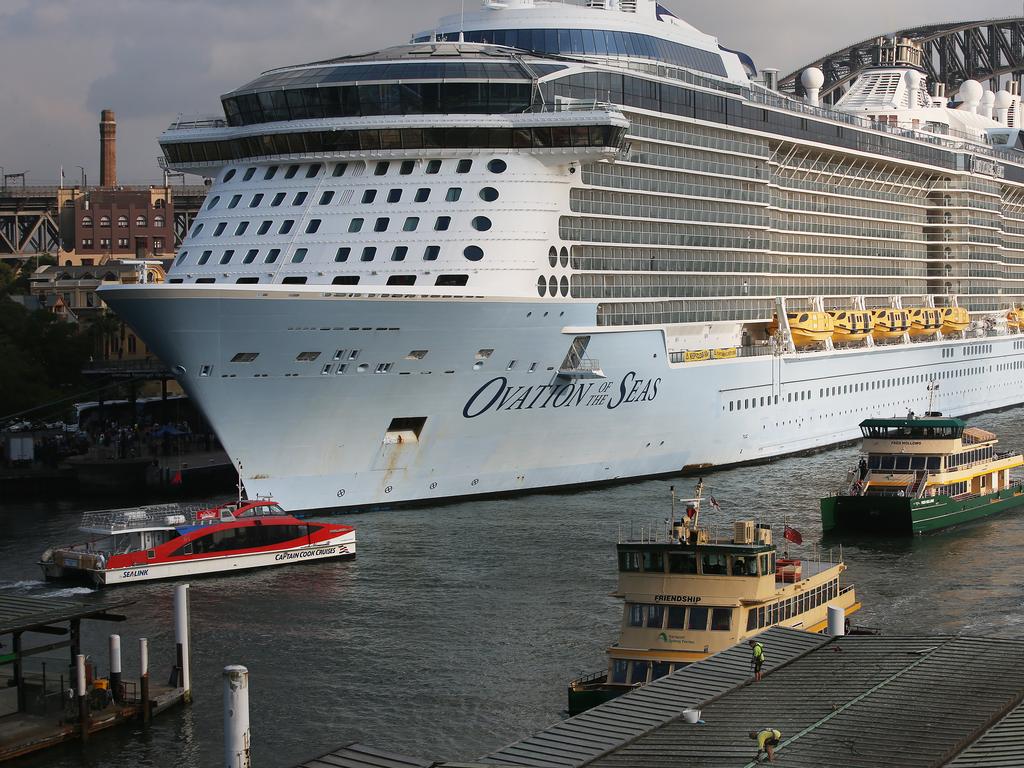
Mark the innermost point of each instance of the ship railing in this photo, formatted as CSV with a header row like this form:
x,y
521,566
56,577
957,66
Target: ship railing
x,y
191,122
132,518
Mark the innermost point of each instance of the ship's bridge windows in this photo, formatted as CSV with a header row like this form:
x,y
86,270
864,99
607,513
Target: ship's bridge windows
x,y
744,565
256,200
431,253
713,564
422,195
407,167
369,196
629,560
292,170
343,253
356,225
682,562
454,194
327,197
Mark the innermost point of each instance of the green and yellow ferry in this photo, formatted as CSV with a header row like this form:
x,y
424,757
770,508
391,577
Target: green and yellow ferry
x,y
690,592
921,474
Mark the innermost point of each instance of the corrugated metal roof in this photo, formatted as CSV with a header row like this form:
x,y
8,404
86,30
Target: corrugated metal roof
x,y
19,613
584,738
360,756
1002,746
859,702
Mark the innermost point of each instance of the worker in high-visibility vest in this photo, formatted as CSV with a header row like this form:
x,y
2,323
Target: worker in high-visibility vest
x,y
767,740
757,659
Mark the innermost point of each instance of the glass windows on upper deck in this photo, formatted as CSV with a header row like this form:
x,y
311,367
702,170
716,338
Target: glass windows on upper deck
x,y
707,562
913,429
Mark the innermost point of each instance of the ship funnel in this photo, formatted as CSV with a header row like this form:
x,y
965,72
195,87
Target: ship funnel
x,y
771,78
812,79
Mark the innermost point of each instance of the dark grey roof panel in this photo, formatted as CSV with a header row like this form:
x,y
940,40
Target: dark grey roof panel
x,y
19,613
1002,746
584,738
361,756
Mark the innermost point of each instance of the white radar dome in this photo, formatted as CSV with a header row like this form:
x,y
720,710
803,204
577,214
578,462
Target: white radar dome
x,y
988,99
970,93
812,78
1003,100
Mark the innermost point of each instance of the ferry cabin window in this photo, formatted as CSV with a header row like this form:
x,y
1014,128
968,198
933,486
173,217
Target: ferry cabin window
x,y
620,669
682,562
636,615
721,619
244,538
713,564
641,670
655,616
744,565
629,561
698,619
676,618
653,561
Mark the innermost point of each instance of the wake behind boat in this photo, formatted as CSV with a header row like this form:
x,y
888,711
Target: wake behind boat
x,y
169,541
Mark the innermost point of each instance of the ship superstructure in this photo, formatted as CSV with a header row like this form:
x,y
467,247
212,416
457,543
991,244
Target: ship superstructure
x,y
552,243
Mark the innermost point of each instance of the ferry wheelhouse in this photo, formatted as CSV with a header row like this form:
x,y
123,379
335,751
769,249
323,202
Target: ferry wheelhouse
x,y
922,474
690,592
169,541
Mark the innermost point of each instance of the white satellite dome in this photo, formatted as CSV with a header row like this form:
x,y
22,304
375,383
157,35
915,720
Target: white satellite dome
x,y
1003,100
812,78
970,93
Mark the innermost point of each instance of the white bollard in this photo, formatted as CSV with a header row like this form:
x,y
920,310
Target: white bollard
x,y
115,667
80,675
236,717
836,621
181,638
83,702
144,678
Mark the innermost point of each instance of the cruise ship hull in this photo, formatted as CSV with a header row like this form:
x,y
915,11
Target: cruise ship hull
x,y
460,397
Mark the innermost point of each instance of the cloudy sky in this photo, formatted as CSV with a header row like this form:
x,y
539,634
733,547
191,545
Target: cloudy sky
x,y
65,60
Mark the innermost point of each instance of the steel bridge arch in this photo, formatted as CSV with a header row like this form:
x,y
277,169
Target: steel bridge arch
x,y
987,50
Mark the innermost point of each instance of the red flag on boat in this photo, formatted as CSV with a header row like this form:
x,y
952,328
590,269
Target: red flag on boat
x,y
793,535
176,480
691,512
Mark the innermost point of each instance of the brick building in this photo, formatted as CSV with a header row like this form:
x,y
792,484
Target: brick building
x,y
115,223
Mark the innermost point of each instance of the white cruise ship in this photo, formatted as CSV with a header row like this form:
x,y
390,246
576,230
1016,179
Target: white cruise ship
x,y
549,243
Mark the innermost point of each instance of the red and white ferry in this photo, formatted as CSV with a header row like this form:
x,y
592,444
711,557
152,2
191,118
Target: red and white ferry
x,y
169,541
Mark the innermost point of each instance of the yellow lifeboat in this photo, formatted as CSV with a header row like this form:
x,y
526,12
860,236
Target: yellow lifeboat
x,y
925,321
1015,319
890,323
851,326
807,328
955,319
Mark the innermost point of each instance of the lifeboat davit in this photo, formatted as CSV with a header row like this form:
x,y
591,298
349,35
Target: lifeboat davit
x,y
851,326
890,323
925,321
955,319
807,328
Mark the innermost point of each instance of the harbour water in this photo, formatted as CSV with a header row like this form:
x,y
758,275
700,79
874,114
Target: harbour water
x,y
457,628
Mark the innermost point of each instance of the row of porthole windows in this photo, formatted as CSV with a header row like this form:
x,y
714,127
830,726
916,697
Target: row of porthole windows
x,y
122,221
454,194
369,253
552,286
382,168
555,257
397,280
356,224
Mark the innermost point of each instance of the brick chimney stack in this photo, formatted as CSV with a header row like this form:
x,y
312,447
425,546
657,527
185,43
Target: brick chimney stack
x,y
108,149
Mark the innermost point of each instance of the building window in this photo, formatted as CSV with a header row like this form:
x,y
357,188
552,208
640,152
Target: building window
x,y
400,252
122,222
454,194
422,195
443,223
464,166
272,256
326,197
312,226
104,242
87,221
369,253
286,226
299,256
343,253
159,222
300,198
264,228
356,225
122,242
410,224
432,252
87,243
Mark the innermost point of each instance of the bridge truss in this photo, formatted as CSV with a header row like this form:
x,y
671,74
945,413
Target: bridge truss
x,y
989,50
